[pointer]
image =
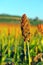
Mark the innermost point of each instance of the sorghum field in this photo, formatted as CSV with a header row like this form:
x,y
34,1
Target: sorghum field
x,y
21,44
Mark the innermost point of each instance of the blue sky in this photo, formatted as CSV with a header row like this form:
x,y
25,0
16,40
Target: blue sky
x,y
32,8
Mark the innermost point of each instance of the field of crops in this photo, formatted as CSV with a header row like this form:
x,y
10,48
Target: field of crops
x,y
11,44
16,49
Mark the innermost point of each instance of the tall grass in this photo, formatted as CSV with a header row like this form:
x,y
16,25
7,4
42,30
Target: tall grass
x,y
12,49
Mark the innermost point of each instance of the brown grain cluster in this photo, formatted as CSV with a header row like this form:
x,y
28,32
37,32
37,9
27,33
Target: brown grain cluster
x,y
38,57
25,27
40,28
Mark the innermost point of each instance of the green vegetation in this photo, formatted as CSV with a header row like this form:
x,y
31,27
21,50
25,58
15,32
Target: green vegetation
x,y
36,21
9,20
17,19
14,51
